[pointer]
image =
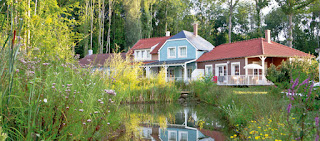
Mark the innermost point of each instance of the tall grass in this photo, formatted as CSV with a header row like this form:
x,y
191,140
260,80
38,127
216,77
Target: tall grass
x,y
127,78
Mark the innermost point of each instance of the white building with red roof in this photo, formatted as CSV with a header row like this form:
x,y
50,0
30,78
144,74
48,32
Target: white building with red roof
x,y
245,62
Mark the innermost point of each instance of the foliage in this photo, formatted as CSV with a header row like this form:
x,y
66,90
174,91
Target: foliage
x,y
297,68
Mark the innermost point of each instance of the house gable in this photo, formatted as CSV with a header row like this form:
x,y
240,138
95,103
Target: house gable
x,y
170,44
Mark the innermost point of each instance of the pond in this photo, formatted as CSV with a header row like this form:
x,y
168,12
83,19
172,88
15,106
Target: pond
x,y
172,122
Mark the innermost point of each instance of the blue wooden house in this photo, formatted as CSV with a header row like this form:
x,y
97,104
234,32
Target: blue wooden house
x,y
178,55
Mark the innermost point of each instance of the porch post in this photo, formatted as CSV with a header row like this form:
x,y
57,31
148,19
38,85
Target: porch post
x,y
147,71
246,69
263,58
166,73
185,75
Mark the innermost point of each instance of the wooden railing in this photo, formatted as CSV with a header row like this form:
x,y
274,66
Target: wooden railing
x,y
243,80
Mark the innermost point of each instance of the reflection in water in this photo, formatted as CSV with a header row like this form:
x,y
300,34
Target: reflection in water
x,y
172,122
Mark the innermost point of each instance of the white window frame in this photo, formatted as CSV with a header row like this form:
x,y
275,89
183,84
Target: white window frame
x,y
168,52
138,54
143,55
180,132
217,68
179,50
233,64
205,69
169,135
148,54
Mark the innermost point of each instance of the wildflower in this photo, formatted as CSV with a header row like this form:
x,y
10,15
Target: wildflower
x,y
317,137
69,85
257,137
45,100
96,112
62,85
111,92
231,137
84,123
70,134
317,120
67,108
81,101
89,120
235,135
295,83
53,87
289,108
45,64
266,135
109,111
17,70
53,84
81,110
67,97
101,102
31,72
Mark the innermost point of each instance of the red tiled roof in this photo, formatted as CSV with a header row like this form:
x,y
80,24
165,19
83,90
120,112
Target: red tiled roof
x,y
251,47
97,59
148,43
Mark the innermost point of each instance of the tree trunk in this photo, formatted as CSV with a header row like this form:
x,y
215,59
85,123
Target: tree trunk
x,y
290,30
99,23
28,30
35,7
109,27
166,26
92,7
85,52
230,21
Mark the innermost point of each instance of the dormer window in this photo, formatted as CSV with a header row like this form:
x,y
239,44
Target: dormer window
x,y
171,52
148,54
182,52
142,54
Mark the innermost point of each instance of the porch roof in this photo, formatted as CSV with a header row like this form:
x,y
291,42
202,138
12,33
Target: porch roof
x,y
172,62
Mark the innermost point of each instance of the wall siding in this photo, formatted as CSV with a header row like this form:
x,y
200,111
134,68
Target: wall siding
x,y
191,51
201,65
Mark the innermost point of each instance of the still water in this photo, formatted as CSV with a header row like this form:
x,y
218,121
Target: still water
x,y
172,122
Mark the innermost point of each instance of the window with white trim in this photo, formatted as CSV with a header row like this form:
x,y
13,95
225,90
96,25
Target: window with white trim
x,y
148,54
183,136
142,54
189,72
182,52
172,135
235,68
171,52
138,55
208,69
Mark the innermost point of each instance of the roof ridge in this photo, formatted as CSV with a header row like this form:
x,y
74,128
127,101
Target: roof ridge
x,y
155,37
239,41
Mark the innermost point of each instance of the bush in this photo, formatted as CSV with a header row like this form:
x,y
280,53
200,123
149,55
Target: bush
x,y
298,68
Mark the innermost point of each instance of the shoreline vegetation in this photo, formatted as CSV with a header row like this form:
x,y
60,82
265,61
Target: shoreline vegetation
x,y
57,99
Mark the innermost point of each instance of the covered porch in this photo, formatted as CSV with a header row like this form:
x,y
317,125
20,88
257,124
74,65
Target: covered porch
x,y
177,70
251,72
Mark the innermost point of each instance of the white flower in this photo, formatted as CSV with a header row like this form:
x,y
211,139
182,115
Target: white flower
x,y
45,100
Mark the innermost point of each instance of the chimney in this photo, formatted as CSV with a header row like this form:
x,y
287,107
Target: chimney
x,y
267,36
167,33
90,52
195,29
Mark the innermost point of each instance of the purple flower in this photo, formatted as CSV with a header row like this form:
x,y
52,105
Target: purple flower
x,y
108,123
17,70
31,72
81,101
89,120
84,123
69,85
81,110
96,112
289,108
53,84
317,137
101,102
317,120
52,87
67,108
45,64
305,82
296,82
67,97
111,92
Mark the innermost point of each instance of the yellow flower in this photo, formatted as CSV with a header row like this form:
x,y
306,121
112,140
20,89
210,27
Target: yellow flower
x,y
266,135
249,137
293,118
257,137
277,140
259,127
231,137
235,135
